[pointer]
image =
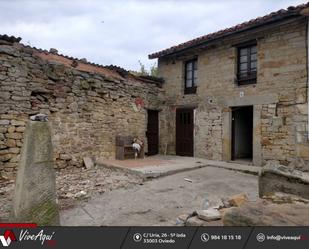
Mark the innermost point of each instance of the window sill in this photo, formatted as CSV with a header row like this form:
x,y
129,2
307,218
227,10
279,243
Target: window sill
x,y
191,90
246,82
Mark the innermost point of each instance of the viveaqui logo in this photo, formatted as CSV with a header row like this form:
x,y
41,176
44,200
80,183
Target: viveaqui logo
x,y
7,238
40,236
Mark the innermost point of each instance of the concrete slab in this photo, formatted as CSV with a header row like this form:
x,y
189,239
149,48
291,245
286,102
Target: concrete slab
x,y
161,200
160,165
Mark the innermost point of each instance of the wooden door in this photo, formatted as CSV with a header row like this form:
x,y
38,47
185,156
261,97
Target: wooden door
x,y
184,132
153,132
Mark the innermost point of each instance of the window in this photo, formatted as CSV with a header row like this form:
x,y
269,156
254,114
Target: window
x,y
247,65
190,76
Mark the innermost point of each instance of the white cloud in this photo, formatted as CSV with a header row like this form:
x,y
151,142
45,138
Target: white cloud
x,y
123,32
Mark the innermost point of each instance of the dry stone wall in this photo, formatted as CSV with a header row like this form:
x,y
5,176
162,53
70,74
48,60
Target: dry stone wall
x,y
87,105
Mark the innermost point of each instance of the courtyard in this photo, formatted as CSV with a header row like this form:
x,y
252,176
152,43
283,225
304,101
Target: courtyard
x,y
108,195
160,200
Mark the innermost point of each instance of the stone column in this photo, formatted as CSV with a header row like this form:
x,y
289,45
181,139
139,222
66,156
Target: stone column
x,y
35,187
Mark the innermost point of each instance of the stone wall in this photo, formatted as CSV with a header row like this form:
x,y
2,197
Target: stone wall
x,y
279,97
88,105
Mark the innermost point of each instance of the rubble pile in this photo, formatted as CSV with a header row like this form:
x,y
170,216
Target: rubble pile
x,y
276,209
74,185
211,216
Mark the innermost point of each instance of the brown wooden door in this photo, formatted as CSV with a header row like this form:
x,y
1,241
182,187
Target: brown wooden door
x,y
153,132
184,132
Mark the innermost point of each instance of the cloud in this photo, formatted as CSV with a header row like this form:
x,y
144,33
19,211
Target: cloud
x,y
123,32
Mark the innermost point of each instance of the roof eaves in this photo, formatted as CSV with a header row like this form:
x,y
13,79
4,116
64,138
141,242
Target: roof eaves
x,y
254,23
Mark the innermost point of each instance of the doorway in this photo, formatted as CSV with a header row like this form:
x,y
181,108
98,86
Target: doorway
x,y
153,132
242,133
184,131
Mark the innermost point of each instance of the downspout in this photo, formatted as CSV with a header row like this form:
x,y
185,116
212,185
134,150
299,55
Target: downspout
x,y
307,47
305,12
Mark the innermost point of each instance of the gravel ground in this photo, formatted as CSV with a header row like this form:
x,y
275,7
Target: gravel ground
x,y
75,186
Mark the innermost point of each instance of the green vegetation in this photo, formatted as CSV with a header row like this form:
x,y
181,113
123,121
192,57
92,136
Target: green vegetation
x,y
152,71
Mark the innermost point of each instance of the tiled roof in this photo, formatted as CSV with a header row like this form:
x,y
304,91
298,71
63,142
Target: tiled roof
x,y
53,55
10,38
272,17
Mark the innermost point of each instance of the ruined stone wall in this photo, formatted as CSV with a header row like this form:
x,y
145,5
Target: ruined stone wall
x,y
86,104
279,97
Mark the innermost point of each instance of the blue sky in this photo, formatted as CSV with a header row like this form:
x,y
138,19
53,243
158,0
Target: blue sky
x,y
122,32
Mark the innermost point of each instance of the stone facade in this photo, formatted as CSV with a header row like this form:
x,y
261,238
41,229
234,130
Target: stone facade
x,y
87,104
279,97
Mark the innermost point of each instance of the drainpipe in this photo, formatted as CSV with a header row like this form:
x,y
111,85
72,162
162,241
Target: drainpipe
x,y
305,12
307,48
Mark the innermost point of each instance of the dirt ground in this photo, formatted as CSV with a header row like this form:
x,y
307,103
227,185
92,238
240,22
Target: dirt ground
x,y
160,201
102,196
74,186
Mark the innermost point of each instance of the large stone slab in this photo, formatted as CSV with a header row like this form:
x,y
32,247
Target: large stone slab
x,y
209,214
277,178
35,188
264,213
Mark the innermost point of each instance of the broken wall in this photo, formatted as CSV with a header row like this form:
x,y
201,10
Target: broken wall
x,y
87,104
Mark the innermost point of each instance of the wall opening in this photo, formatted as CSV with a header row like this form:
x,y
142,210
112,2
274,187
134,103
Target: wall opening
x,y
242,133
152,132
184,131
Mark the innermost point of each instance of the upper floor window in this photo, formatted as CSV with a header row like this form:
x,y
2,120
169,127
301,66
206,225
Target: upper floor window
x,y
190,76
247,65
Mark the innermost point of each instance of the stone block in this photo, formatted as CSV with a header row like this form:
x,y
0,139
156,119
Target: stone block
x,y
299,164
88,162
5,95
5,157
14,159
209,214
277,121
183,217
35,187
14,150
238,200
3,129
3,152
303,150
20,129
18,123
278,178
9,50
195,221
14,135
303,109
4,122
11,129
65,157
10,143
263,213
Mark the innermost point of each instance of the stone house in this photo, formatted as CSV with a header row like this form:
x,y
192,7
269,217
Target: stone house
x,y
239,93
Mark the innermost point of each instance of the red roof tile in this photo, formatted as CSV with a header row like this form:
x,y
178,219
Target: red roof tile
x,y
112,71
274,16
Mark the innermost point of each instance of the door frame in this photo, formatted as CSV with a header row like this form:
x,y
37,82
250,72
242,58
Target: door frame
x,y
233,127
158,134
192,108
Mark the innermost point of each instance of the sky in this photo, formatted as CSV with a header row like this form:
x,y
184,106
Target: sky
x,y
124,32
